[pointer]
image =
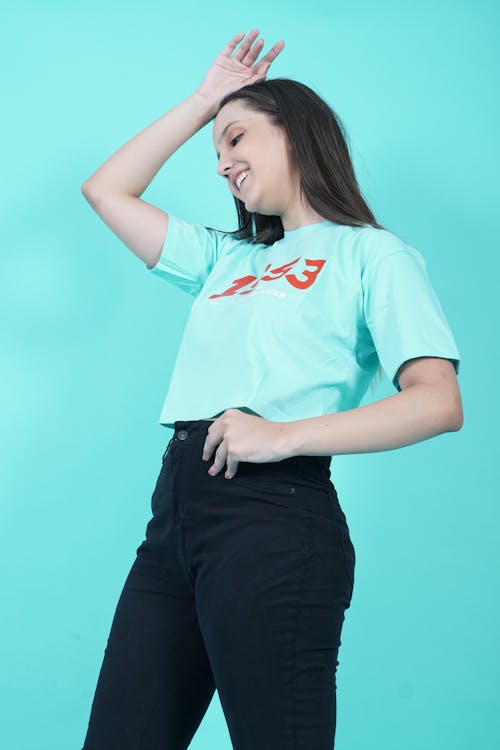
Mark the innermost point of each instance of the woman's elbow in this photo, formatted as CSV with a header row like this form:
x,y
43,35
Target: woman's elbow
x,y
456,418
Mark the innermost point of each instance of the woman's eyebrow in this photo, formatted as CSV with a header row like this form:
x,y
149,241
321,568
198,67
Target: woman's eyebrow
x,y
224,132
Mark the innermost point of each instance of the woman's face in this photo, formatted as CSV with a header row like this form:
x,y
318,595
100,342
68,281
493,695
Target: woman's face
x,y
246,140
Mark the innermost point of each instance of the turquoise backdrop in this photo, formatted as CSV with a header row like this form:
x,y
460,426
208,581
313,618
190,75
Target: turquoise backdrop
x,y
89,338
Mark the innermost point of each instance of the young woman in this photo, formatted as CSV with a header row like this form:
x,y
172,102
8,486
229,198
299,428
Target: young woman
x,y
242,585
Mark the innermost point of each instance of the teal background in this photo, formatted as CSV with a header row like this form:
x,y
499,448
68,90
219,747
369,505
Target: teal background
x,y
89,339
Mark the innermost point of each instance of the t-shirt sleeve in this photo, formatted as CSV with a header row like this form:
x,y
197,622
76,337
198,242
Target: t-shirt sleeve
x,y
189,253
403,312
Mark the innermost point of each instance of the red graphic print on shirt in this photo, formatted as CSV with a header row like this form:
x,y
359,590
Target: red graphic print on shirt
x,y
308,277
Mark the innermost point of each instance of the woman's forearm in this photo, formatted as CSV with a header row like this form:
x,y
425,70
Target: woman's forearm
x,y
133,166
407,417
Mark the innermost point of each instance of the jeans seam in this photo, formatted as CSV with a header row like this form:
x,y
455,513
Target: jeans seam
x,y
166,449
346,564
294,641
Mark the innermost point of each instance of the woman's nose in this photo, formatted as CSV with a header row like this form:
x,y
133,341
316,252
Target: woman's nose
x,y
224,168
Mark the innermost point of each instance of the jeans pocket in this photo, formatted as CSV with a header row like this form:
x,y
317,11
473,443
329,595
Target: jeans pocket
x,y
320,499
347,545
167,449
322,503
349,559
337,508
279,491
161,486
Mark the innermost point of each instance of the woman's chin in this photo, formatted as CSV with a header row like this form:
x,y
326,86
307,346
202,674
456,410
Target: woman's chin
x,y
249,204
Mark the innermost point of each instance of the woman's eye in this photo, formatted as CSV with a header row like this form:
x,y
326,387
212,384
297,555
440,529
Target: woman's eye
x,y
235,137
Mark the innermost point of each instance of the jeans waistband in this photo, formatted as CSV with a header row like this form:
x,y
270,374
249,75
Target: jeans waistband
x,y
195,431
194,428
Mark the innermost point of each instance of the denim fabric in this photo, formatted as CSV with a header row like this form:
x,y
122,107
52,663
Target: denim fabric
x,y
240,585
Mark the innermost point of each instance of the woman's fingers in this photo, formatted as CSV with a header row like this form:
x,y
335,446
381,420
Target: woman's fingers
x,y
273,53
260,70
226,51
245,45
246,54
253,54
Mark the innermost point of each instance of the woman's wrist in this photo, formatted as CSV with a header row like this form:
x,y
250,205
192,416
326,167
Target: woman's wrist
x,y
207,103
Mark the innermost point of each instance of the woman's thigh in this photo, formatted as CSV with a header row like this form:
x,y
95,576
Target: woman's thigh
x,y
272,561
240,585
155,682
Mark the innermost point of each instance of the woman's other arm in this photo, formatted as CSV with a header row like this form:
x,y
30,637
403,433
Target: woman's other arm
x,y
428,404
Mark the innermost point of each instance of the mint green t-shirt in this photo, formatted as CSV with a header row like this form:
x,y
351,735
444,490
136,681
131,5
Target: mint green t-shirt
x,y
296,329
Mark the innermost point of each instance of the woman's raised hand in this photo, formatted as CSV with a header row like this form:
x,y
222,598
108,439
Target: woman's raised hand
x,y
228,74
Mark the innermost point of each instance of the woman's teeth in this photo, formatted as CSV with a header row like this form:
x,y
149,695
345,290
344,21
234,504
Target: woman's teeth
x,y
240,178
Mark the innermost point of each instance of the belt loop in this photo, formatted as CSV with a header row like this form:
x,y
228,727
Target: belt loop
x,y
166,449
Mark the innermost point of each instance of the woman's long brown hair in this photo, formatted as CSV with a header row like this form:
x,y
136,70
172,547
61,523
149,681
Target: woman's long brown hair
x,y
319,146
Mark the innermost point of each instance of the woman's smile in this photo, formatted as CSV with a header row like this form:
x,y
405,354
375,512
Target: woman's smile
x,y
243,181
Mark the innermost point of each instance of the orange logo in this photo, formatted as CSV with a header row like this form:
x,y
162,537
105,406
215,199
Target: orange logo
x,y
306,279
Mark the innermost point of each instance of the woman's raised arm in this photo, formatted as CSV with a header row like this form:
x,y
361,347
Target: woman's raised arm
x,y
114,190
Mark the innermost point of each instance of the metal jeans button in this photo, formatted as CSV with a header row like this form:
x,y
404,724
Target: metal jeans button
x,y
182,434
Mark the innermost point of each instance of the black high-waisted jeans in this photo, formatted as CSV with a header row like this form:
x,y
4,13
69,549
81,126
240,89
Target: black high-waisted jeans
x,y
240,585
